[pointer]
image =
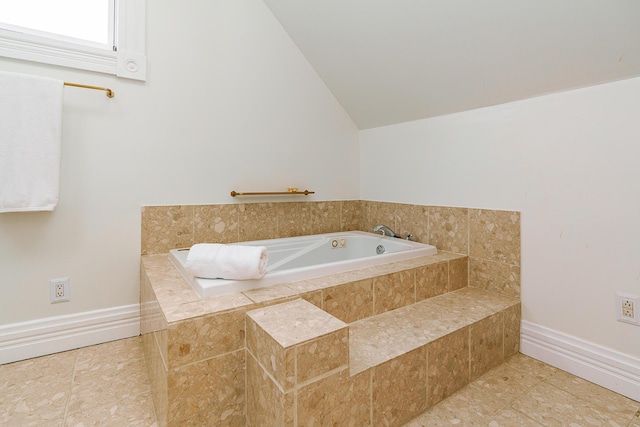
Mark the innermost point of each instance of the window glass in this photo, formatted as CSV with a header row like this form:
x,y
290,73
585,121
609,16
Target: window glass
x,y
81,20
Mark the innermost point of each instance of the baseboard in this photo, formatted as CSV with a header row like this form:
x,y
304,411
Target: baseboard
x,y
606,367
50,335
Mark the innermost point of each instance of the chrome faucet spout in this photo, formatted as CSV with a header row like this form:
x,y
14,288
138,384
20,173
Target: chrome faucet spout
x,y
384,230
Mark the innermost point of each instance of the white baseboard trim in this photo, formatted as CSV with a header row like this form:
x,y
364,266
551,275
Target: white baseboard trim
x,y
19,341
601,365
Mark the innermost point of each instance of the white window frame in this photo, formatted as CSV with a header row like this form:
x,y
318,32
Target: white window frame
x,y
129,61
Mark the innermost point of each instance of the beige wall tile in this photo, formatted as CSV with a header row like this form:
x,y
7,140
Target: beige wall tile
x,y
295,322
336,400
349,302
314,298
449,228
163,346
157,378
151,318
211,392
414,220
486,345
352,214
448,365
399,388
273,357
169,286
204,337
512,320
276,334
324,282
258,221
322,355
215,223
270,294
493,276
294,219
458,273
431,280
267,404
393,291
325,217
206,306
495,235
382,213
165,228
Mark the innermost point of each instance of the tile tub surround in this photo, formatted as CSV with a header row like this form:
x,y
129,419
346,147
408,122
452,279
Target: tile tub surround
x,y
180,226
491,238
305,366
197,356
184,335
195,348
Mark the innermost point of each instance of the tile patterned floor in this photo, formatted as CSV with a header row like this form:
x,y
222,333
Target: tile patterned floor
x,y
102,385
107,385
526,392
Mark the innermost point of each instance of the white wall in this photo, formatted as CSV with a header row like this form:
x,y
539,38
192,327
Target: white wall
x,y
229,104
570,162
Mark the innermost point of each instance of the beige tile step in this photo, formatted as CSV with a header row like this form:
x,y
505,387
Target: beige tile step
x,y
378,339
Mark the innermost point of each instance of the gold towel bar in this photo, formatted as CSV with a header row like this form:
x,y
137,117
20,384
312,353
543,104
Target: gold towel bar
x,y
291,191
110,93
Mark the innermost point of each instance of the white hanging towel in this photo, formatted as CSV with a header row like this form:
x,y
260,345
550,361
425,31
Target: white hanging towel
x,y
30,139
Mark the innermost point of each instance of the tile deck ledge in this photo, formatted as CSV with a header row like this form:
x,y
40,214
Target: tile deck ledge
x,y
380,338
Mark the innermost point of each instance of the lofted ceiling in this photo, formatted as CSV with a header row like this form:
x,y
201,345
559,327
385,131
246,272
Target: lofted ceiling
x,y
392,61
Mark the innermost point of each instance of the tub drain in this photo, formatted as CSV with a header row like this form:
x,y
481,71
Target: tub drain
x,y
380,249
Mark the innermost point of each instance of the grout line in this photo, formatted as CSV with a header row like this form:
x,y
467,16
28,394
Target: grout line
x,y
469,355
426,394
371,373
449,275
265,371
325,375
73,375
246,371
295,388
415,285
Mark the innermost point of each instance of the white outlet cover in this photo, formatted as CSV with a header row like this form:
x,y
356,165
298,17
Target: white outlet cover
x,y
52,289
621,296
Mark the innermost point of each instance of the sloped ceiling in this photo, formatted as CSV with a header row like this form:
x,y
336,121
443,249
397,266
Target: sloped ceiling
x,y
392,61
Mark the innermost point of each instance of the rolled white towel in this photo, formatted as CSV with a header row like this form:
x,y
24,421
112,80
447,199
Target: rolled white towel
x,y
235,262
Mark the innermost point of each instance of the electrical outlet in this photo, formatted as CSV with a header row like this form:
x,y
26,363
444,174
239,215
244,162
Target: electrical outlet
x,y
627,308
59,289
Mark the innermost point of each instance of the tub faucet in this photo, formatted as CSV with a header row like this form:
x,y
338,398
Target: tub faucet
x,y
384,230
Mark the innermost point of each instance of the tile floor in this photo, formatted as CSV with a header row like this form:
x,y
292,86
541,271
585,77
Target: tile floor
x,y
107,385
102,385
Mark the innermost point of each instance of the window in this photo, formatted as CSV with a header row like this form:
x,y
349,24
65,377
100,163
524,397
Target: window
x,y
78,21
98,35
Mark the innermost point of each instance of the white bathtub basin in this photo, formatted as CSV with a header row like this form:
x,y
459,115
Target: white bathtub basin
x,y
304,257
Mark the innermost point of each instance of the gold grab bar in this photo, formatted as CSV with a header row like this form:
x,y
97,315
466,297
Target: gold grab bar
x,y
272,193
110,93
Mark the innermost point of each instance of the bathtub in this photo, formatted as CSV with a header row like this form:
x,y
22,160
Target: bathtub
x,y
304,257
